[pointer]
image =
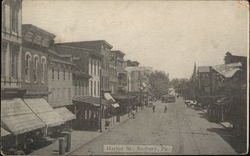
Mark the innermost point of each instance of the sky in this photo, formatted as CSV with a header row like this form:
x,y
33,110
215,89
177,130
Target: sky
x,y
166,35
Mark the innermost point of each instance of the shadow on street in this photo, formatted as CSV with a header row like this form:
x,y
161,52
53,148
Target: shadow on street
x,y
237,143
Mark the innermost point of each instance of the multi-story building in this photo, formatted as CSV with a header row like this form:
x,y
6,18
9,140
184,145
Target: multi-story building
x,y
118,74
204,80
88,63
138,78
102,47
36,43
60,80
11,51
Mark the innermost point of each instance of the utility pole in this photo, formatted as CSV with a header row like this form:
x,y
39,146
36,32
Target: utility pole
x,y
101,107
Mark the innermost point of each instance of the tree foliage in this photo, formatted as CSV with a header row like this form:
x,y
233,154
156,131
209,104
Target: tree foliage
x,y
159,83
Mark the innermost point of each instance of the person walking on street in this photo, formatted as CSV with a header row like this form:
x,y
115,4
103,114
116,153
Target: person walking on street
x,y
153,108
133,113
165,109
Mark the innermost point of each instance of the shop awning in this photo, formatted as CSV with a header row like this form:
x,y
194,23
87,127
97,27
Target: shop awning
x,y
44,111
4,132
94,101
65,113
108,96
17,117
123,97
115,105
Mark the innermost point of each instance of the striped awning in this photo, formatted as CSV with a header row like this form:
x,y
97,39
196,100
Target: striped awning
x,y
44,111
17,117
4,132
65,114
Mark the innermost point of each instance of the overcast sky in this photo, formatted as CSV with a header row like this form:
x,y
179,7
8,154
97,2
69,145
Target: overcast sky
x,y
166,35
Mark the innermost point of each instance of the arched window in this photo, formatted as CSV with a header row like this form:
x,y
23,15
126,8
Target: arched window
x,y
35,73
43,60
27,66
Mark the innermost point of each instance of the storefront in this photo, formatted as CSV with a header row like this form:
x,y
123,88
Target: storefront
x,y
19,120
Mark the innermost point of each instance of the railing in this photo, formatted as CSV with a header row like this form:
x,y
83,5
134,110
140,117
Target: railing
x,y
10,82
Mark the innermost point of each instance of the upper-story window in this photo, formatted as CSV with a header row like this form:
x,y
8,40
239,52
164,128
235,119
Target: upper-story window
x,y
69,73
58,73
53,73
43,69
64,73
35,73
94,67
14,15
3,15
27,66
14,61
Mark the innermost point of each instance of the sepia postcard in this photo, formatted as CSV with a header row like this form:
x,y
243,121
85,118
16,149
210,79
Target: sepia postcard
x,y
125,77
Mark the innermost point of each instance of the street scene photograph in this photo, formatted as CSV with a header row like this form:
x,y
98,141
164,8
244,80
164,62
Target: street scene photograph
x,y
124,77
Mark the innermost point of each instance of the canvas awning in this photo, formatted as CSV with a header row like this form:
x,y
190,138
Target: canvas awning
x,y
65,113
17,117
4,132
108,96
44,111
115,105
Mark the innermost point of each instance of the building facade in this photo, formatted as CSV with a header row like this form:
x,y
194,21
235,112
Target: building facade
x,y
11,50
60,80
102,47
138,78
36,43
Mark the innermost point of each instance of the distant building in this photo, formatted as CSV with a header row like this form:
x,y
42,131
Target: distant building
x,y
118,75
204,80
130,63
138,78
229,58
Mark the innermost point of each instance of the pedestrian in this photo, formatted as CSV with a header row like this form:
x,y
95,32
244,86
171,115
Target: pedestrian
x,y
133,113
165,109
153,108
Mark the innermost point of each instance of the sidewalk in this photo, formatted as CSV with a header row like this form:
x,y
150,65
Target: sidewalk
x,y
78,139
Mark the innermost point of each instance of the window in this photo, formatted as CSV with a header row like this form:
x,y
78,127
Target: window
x,y
98,88
35,73
3,62
58,73
91,85
69,73
90,66
43,69
27,66
94,67
14,16
64,73
94,88
3,15
53,73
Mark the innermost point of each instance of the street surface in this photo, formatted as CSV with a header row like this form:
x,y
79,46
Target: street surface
x,y
181,128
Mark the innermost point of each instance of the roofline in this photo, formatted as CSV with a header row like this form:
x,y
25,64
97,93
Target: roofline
x,y
72,47
89,41
40,29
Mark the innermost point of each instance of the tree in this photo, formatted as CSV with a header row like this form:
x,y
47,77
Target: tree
x,y
159,82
